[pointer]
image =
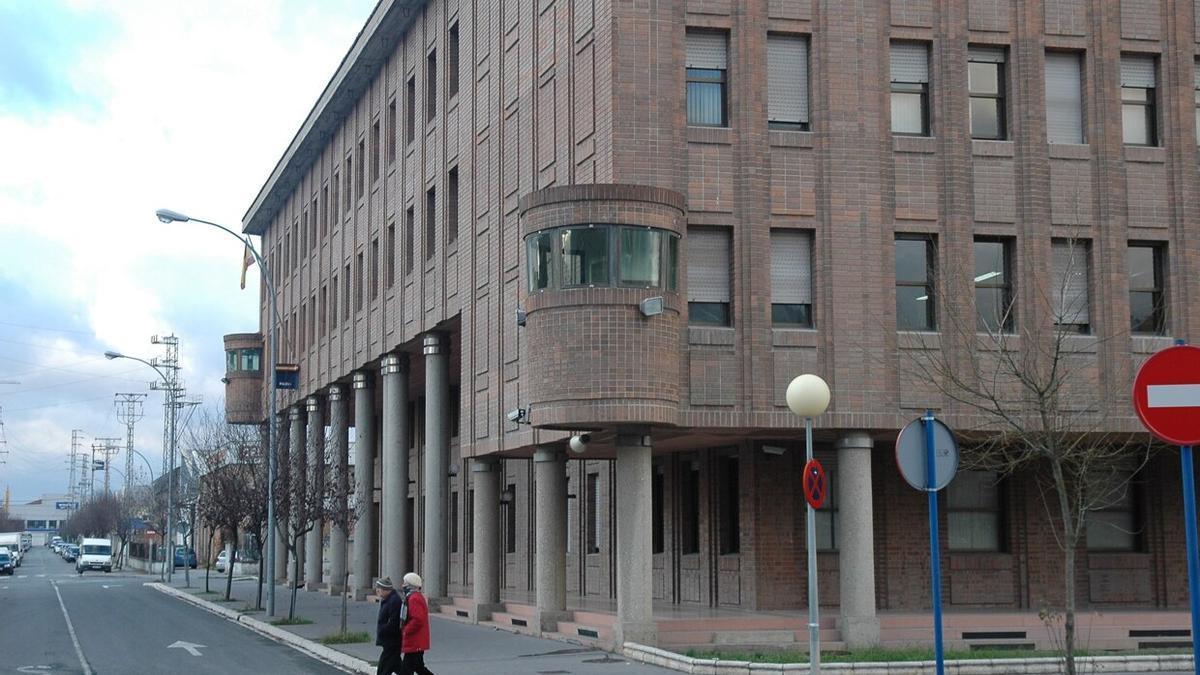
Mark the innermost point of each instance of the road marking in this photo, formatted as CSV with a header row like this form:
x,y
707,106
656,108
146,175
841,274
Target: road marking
x,y
41,576
87,670
1173,395
191,647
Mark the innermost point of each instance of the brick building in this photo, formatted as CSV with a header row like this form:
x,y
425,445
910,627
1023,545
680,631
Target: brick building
x,y
641,220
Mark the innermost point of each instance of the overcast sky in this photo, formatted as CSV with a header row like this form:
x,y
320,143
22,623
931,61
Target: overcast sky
x,y
108,111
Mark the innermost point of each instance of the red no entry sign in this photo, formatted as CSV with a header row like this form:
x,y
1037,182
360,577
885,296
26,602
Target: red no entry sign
x,y
815,487
1166,395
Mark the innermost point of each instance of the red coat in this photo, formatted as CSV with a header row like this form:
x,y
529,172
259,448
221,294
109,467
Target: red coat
x,y
416,627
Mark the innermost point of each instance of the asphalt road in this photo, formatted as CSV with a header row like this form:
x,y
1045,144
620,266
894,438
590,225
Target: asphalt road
x,y
120,626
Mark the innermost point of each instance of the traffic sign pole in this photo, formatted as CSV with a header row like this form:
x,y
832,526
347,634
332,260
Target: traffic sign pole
x,y
1193,560
935,546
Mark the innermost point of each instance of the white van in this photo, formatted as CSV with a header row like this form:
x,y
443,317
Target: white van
x,y
94,554
13,541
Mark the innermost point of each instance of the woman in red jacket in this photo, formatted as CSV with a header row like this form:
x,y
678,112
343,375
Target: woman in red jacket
x,y
415,630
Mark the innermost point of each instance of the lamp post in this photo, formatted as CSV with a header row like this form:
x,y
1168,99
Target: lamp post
x,y
169,216
808,396
170,393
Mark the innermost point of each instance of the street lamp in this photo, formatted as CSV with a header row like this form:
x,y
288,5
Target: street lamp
x,y
808,396
169,216
170,393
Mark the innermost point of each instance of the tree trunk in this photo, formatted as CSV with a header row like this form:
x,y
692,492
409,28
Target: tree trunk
x,y
208,563
229,572
295,577
1070,535
261,571
345,587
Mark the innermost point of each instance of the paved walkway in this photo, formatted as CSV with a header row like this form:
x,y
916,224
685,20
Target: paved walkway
x,y
459,648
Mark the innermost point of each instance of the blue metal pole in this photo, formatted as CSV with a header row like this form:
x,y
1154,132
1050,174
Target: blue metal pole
x,y
934,545
1193,559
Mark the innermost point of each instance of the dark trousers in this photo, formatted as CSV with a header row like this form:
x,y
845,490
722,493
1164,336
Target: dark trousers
x,y
390,661
414,664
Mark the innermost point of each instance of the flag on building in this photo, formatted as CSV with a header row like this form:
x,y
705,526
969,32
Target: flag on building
x,y
247,261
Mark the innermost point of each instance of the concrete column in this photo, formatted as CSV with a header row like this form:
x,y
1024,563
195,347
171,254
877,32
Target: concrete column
x,y
486,533
856,539
281,522
437,459
635,560
297,489
550,498
340,460
364,485
394,457
314,540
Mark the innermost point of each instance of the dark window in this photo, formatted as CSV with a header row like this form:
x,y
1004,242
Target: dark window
x,y
375,140
1116,523
390,262
539,250
708,276
391,132
325,211
689,508
469,526
431,86
707,65
452,62
916,299
452,206
375,268
730,513
360,172
986,85
1147,307
974,512
333,302
1196,77
430,223
658,544
1138,92
323,326
311,327
601,255
346,283
910,88
410,227
359,291
993,286
791,278
510,520
1070,293
640,257
584,256
302,341
410,110
349,185
453,521
334,184
593,513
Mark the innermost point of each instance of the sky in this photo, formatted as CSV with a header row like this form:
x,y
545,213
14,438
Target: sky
x,y
109,111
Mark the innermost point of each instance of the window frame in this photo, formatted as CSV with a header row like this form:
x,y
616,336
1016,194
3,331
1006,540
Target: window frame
x,y
1007,286
907,88
1059,290
554,273
999,509
1132,503
778,309
802,124
718,77
1000,97
1157,288
1148,105
928,285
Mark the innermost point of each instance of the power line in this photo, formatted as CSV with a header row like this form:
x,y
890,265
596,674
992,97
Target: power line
x,y
46,328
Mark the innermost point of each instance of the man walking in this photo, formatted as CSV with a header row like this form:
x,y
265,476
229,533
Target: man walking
x,y
387,628
415,619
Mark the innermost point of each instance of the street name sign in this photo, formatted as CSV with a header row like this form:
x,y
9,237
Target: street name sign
x,y
66,506
1166,395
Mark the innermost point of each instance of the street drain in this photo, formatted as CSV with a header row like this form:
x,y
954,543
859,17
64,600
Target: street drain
x,y
558,652
604,659
553,672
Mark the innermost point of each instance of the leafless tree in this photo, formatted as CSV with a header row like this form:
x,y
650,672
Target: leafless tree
x,y
303,500
342,512
8,523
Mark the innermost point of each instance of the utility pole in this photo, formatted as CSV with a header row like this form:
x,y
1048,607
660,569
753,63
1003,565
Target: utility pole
x,y
129,411
107,447
3,439
75,480
172,394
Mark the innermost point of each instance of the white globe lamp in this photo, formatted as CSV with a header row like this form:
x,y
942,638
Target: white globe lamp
x,y
807,395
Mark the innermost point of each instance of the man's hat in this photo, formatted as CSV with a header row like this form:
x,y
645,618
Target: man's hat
x,y
384,582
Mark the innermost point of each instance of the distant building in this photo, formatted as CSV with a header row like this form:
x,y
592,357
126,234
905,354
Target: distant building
x,y
43,516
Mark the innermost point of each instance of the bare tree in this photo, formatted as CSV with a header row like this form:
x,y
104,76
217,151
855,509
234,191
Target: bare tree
x,y
302,502
8,523
342,512
1025,396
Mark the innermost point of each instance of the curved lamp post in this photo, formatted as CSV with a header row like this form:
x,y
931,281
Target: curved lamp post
x,y
169,216
808,396
170,394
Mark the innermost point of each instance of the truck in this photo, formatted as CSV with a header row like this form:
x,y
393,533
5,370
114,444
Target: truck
x,y
12,540
94,554
26,541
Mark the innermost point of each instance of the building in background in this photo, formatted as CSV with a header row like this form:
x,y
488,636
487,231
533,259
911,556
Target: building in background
x,y
43,516
507,223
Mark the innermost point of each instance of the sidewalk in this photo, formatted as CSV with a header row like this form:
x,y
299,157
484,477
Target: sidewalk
x,y
459,648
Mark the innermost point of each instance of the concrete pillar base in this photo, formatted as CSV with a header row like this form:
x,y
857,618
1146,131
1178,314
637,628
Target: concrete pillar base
x,y
859,631
313,587
361,594
639,633
547,620
484,611
333,590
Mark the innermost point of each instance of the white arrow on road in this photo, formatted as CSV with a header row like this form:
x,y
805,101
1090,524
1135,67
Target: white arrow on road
x,y
191,647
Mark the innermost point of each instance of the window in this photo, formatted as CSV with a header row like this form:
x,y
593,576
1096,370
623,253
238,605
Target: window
x,y
916,298
510,520
827,515
1138,115
349,187
311,326
986,85
431,86
333,302
308,231
334,183
410,110
252,360
452,206
231,360
641,257
1070,297
360,273
974,513
452,62
708,276
375,151
584,256
1116,524
430,223
791,278
1064,97
689,508
391,132
469,526
1196,83
910,88
302,341
375,268
993,285
539,250
390,262
360,170
322,322
672,263
454,521
325,211
729,518
707,63
787,82
346,293
410,227
593,513
1147,309
658,513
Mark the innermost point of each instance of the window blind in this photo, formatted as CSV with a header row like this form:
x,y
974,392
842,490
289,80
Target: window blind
x,y
1070,291
910,62
1064,101
791,267
1137,71
1196,73
708,265
707,50
787,79
985,54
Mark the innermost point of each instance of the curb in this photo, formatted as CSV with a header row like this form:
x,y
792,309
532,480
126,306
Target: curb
x,y
313,649
1036,666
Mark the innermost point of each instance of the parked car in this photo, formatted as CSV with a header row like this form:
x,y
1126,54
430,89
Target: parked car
x,y
222,560
185,557
70,552
6,565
